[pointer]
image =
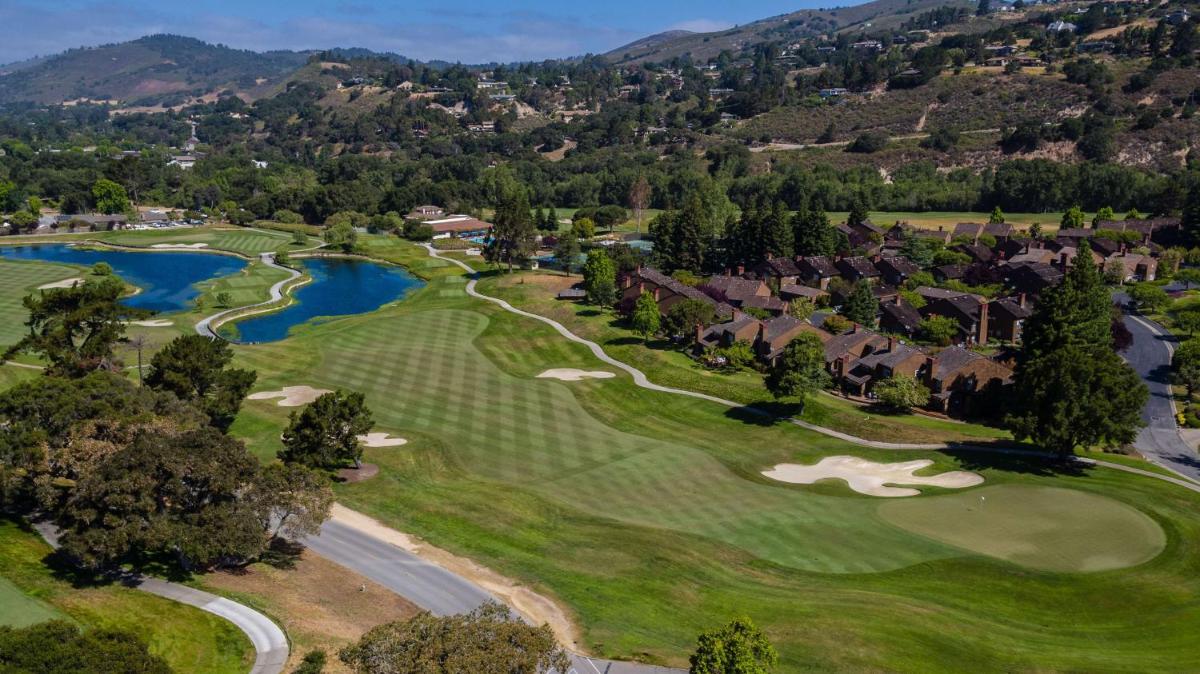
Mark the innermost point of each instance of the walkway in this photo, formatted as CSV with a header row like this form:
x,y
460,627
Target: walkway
x,y
207,326
270,644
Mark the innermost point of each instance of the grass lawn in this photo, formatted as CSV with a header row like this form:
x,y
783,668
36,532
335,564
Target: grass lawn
x,y
243,240
948,219
190,639
18,279
668,366
18,609
646,514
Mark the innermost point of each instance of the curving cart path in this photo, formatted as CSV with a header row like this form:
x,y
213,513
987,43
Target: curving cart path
x,y
205,325
270,643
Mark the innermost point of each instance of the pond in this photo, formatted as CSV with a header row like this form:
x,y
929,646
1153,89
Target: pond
x,y
340,287
167,280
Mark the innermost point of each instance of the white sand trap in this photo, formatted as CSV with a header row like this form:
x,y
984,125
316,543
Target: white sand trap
x,y
381,440
868,477
292,396
156,323
571,374
65,283
179,245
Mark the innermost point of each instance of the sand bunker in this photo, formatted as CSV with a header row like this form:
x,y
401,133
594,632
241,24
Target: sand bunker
x,y
156,323
292,396
65,283
571,374
179,245
868,477
381,440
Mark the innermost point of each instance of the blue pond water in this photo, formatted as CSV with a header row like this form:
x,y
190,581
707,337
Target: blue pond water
x,y
340,287
167,280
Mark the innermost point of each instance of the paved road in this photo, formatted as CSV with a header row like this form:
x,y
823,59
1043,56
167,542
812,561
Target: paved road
x,y
205,325
427,585
1150,354
270,643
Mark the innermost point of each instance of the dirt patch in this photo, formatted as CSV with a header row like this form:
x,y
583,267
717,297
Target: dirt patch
x,y
364,472
869,477
292,396
572,374
65,283
381,440
536,607
317,602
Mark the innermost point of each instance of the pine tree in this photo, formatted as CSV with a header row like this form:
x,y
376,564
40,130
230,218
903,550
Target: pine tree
x,y
861,306
777,233
858,213
997,216
812,233
1071,388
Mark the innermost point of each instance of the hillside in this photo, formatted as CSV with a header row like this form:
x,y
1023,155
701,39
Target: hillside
x,y
805,23
154,69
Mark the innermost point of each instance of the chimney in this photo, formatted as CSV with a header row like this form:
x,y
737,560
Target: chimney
x,y
1062,261
891,344
854,330
728,271
929,371
940,228
741,269
655,293
876,258
641,288
699,332
1021,300
899,299
983,324
1000,255
762,332
770,256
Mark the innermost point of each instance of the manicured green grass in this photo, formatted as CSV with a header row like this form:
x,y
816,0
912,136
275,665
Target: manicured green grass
x,y
948,219
646,514
670,367
239,240
18,609
1041,527
190,639
18,279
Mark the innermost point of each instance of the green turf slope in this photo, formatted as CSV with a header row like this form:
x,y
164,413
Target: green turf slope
x,y
646,515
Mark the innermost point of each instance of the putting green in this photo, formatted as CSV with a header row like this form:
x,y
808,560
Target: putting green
x,y
1045,528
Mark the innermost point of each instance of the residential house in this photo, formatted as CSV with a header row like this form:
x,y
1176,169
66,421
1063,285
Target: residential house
x,y
817,271
892,359
775,334
855,269
793,291
782,269
896,270
969,311
949,272
1163,231
975,251
1032,279
736,289
899,317
668,292
956,377
1136,267
743,328
426,212
1006,317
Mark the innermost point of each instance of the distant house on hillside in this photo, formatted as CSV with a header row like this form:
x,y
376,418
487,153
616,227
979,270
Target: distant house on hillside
x,y
426,212
1061,26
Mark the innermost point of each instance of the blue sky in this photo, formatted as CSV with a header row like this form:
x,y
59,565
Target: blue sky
x,y
465,30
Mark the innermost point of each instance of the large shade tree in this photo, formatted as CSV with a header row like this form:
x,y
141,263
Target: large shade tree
x,y
195,368
325,433
1071,388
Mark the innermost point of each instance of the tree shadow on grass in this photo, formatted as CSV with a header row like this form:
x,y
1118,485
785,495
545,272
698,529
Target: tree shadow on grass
x,y
590,313
282,554
1001,455
765,412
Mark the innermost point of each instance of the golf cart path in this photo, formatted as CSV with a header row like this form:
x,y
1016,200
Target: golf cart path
x,y
270,643
205,325
641,380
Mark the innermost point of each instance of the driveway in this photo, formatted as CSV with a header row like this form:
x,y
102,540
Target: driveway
x,y
1150,355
